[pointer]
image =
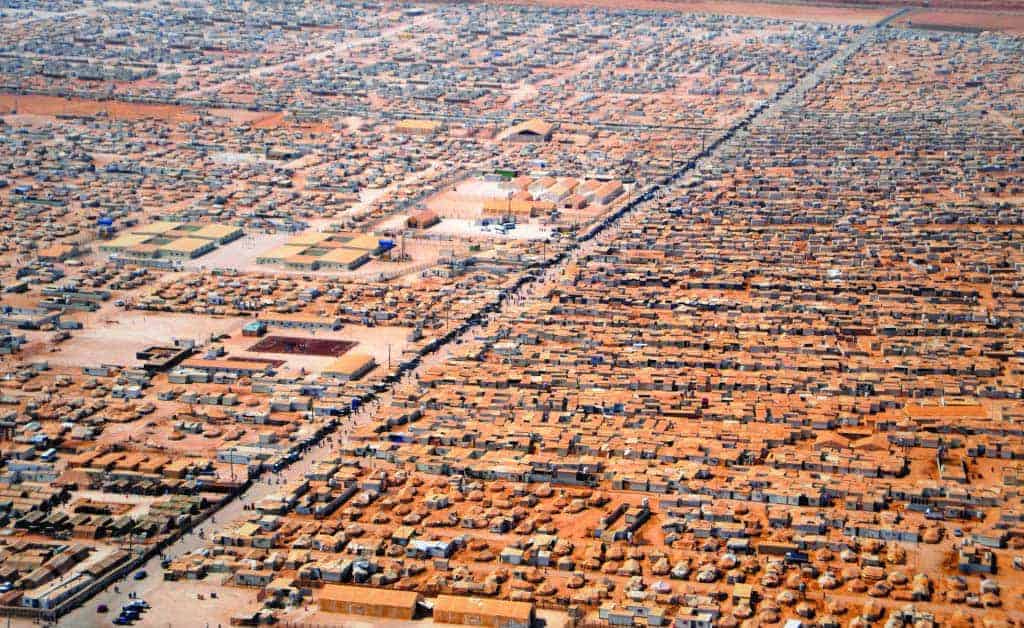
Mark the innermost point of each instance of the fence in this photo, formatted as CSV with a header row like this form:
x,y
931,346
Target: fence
x,y
22,611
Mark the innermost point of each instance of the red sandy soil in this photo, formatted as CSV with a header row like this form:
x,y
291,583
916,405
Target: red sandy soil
x,y
172,114
302,346
55,105
270,122
847,14
986,5
988,20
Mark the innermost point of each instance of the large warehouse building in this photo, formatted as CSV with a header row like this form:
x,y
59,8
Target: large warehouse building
x,y
336,598
453,609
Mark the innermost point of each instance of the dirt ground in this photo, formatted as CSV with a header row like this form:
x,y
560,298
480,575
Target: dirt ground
x,y
174,604
979,5
139,504
241,254
420,254
54,105
116,339
988,20
467,198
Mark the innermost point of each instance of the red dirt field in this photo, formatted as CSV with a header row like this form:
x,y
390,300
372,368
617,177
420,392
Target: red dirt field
x,y
986,20
55,105
984,5
269,122
302,346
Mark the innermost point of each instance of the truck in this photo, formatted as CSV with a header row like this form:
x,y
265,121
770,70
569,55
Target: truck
x,y
798,558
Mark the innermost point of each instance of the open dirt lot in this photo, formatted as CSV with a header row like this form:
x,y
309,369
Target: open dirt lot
x,y
420,254
173,604
986,20
117,339
53,105
240,254
137,505
467,198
